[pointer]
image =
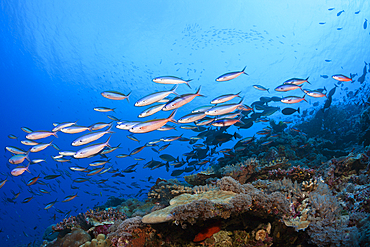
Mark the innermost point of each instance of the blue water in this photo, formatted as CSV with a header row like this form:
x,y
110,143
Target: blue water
x,y
58,56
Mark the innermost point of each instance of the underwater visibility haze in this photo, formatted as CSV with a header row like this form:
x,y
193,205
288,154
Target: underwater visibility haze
x,y
185,123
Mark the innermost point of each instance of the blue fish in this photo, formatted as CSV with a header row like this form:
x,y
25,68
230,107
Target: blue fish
x,y
357,12
327,60
365,24
340,12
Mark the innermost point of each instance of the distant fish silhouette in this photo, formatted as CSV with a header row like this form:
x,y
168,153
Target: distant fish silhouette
x,y
365,24
357,12
340,12
330,9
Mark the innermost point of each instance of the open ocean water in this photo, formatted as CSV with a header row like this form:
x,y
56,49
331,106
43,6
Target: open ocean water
x,y
58,57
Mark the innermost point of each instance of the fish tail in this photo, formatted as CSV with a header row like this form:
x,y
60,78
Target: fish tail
x,y
173,89
187,83
28,152
241,101
298,110
244,70
128,96
107,142
170,118
55,134
28,167
307,80
304,98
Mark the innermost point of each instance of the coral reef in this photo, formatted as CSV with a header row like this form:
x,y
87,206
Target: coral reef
x,y
75,238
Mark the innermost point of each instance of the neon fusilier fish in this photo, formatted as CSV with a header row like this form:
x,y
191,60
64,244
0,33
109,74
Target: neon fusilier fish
x,y
67,153
223,109
40,134
104,109
171,80
315,93
2,183
192,117
61,126
131,137
15,150
137,150
40,147
50,204
225,122
27,130
12,137
287,87
69,198
94,172
167,127
202,108
342,78
99,126
261,88
91,150
19,170
90,137
296,81
224,98
127,125
293,99
171,138
155,97
231,75
19,158
151,110
32,181
75,129
29,142
151,125
181,100
114,95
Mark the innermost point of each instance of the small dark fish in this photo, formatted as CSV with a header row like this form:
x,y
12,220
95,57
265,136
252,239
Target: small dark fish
x,y
50,204
324,76
290,111
339,28
365,24
330,9
340,12
28,199
322,23
69,198
80,180
52,176
276,99
357,12
32,181
176,173
327,60
167,157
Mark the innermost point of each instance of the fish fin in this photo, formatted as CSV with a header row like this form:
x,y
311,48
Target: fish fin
x,y
28,167
307,80
187,83
170,118
298,110
244,70
128,96
173,90
304,98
